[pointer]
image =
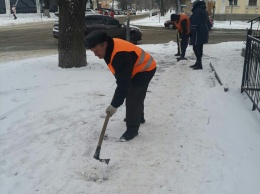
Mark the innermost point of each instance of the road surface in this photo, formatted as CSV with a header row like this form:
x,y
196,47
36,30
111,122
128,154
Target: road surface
x,y
27,40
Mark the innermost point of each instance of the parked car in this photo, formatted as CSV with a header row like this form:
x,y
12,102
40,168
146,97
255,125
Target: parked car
x,y
131,11
107,24
155,12
169,24
105,11
119,12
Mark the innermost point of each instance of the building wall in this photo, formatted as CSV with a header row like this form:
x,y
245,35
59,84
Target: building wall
x,y
241,11
188,7
223,7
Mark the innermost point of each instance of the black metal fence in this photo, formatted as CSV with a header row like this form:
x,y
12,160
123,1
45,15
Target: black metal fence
x,y
251,72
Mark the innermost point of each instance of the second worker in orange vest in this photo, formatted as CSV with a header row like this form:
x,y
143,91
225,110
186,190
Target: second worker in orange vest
x,y
133,69
182,23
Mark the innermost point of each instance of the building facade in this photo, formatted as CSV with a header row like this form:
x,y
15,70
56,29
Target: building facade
x,y
244,10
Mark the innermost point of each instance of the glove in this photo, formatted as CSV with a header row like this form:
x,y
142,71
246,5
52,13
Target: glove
x,y
111,110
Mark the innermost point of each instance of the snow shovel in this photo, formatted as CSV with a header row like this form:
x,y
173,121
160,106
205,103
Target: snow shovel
x,y
97,153
179,42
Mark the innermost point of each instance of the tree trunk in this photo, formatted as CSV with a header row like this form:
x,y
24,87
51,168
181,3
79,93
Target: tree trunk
x,y
178,6
162,9
72,52
46,8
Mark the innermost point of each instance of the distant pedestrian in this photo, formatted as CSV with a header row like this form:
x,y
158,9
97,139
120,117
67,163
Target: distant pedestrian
x,y
112,13
182,23
14,11
199,31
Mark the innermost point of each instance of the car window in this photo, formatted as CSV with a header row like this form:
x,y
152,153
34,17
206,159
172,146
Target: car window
x,y
94,21
110,21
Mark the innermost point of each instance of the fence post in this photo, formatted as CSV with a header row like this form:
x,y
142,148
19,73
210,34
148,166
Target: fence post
x,y
246,60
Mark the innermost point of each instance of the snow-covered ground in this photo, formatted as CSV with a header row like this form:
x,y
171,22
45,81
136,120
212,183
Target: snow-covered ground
x,y
6,20
197,139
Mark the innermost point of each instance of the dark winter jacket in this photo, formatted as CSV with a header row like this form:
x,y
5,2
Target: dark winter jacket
x,y
199,24
123,64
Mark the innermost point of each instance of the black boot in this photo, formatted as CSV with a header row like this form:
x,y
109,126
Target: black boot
x,y
177,54
192,66
198,66
181,58
129,134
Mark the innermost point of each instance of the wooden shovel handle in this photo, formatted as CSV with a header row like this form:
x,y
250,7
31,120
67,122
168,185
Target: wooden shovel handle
x,y
103,130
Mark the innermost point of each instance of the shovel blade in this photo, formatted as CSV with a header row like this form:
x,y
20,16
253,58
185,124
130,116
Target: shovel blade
x,y
97,153
104,160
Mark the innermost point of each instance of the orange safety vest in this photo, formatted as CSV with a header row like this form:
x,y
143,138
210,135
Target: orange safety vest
x,y
144,62
178,24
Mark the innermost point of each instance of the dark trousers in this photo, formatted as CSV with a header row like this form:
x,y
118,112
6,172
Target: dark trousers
x,y
135,99
184,44
198,51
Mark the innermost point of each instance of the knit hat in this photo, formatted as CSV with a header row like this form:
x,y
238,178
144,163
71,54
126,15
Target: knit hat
x,y
174,17
94,38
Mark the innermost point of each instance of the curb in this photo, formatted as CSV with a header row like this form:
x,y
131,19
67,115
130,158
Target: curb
x,y
217,77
